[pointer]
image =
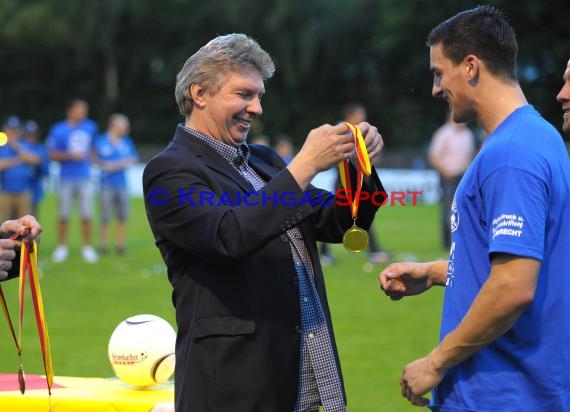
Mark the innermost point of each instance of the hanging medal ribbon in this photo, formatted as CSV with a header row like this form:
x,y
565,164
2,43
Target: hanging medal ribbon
x,y
355,239
29,267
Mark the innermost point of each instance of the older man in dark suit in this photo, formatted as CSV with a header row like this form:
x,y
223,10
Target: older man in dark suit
x,y
237,229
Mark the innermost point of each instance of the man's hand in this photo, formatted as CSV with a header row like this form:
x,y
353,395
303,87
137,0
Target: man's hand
x,y
7,255
418,378
23,229
26,228
372,139
76,156
407,279
324,147
327,145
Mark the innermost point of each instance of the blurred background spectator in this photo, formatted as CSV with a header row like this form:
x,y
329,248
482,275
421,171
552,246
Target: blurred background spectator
x,y
114,153
17,167
41,170
451,151
69,143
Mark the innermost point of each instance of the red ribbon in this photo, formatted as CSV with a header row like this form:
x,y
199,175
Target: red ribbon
x,y
362,167
29,267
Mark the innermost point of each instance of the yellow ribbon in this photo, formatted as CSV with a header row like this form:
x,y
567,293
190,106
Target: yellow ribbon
x,y
30,255
29,266
363,167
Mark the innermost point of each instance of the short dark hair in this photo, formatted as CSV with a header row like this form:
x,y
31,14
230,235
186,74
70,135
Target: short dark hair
x,y
483,31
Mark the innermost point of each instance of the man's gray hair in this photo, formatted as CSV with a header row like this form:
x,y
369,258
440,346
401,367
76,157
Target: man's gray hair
x,y
209,66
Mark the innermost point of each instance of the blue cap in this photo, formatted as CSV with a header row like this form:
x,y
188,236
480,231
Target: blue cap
x,y
12,122
31,126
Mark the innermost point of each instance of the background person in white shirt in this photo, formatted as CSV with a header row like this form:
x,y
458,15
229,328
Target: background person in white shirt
x,y
451,151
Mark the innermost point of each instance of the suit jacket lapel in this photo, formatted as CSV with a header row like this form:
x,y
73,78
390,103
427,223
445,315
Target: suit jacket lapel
x,y
263,169
216,162
210,157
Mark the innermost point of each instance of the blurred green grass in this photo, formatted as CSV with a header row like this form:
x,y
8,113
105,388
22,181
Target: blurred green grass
x,y
375,337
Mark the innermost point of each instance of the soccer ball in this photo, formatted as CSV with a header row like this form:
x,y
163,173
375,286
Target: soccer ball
x,y
141,350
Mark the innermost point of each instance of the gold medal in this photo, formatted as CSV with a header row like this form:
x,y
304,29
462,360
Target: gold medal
x,y
21,378
355,239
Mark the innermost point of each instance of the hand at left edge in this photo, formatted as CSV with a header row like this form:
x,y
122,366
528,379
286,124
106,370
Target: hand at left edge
x,y
25,228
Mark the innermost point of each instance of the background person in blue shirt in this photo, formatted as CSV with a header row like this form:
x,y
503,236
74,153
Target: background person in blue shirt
x,y
505,326
69,142
17,164
115,152
41,170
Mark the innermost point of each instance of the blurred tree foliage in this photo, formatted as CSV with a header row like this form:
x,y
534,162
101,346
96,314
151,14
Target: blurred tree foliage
x,y
123,55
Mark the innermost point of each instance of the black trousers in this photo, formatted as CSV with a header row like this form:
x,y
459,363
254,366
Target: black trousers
x,y
448,188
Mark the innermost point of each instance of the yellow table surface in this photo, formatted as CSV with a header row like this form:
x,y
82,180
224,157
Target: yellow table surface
x,y
72,394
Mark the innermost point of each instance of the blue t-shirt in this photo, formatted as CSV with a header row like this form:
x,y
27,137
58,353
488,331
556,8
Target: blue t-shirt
x,y
40,172
513,199
109,151
73,138
16,179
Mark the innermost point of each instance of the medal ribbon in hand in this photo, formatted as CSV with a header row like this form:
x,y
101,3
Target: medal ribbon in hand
x,y
29,267
29,257
355,239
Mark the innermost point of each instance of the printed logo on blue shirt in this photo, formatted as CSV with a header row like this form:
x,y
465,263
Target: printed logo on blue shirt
x,y
451,266
454,218
508,225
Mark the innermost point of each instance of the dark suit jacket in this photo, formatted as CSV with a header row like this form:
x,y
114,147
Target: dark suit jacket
x,y
234,283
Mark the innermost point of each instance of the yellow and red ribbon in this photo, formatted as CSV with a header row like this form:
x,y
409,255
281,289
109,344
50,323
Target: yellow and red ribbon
x,y
29,267
362,167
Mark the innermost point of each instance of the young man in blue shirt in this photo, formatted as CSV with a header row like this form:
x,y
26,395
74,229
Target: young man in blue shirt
x,y
70,142
505,326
